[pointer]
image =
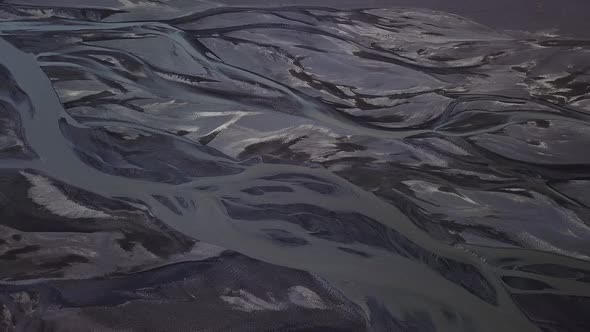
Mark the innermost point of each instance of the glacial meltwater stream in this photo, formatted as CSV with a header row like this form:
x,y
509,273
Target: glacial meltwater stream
x,y
191,166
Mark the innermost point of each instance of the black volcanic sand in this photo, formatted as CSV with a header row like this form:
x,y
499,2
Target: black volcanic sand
x,y
194,166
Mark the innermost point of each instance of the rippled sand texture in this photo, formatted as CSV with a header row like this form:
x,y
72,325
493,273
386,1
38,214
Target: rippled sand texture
x,y
177,166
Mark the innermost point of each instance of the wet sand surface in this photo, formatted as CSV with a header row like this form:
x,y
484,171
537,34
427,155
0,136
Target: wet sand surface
x,y
201,166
